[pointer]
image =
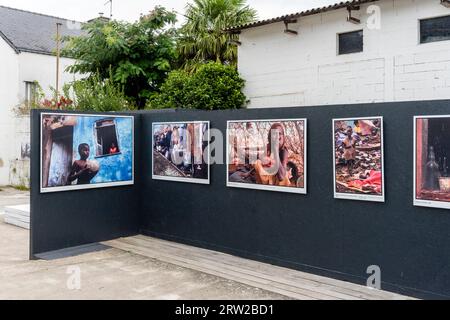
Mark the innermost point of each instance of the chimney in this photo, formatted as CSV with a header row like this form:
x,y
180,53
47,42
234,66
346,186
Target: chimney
x,y
100,18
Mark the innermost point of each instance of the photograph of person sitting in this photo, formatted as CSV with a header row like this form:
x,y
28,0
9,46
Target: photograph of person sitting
x,y
83,170
267,153
273,169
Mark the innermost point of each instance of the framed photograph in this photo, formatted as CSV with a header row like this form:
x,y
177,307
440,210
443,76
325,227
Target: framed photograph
x,y
431,161
358,153
267,155
181,151
80,151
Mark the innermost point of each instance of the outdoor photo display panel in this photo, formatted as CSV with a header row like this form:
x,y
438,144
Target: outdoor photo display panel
x,y
358,159
431,161
181,151
86,151
267,155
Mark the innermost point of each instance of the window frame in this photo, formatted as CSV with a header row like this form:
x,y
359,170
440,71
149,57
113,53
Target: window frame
x,y
96,129
419,29
31,92
338,42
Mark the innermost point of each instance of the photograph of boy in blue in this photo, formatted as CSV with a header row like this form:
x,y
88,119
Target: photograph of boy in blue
x,y
82,170
86,151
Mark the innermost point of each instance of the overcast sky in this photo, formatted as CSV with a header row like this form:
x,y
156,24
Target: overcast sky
x,y
130,10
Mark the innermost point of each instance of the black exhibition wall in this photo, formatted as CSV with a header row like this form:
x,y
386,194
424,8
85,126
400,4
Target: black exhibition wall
x,y
73,218
314,233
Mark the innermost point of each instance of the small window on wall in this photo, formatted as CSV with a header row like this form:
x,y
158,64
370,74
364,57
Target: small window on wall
x,y
435,29
350,42
106,136
31,92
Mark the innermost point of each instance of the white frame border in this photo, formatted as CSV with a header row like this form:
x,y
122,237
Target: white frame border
x,y
303,190
90,186
177,179
418,202
359,197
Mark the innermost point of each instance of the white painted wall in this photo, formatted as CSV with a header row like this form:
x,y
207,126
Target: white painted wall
x,y
42,68
15,70
19,167
286,70
9,90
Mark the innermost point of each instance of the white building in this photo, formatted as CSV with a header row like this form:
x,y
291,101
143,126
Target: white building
x,y
27,55
401,52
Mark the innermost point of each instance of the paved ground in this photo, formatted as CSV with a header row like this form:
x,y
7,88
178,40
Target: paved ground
x,y
110,274
146,268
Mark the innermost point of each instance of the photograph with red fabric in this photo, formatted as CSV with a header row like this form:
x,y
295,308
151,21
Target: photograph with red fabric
x,y
358,159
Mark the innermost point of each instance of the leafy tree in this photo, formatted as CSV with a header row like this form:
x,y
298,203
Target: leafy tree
x,y
212,87
96,94
139,55
202,37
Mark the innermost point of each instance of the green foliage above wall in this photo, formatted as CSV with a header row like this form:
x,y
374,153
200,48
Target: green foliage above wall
x,y
212,87
202,38
139,55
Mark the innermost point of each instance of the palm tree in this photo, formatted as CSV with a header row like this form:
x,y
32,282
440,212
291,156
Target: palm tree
x,y
202,37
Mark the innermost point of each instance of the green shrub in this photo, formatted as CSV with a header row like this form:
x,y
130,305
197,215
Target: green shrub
x,y
96,94
173,92
212,87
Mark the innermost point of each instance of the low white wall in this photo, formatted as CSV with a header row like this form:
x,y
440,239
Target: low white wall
x,y
19,166
286,70
9,90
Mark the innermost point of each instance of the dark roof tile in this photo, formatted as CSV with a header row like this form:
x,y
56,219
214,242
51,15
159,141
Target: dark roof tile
x,y
309,12
33,32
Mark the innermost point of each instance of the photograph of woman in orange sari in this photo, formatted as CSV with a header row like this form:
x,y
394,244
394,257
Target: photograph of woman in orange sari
x,y
267,155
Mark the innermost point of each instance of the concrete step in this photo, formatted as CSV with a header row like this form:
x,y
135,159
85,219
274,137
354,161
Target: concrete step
x,y
18,216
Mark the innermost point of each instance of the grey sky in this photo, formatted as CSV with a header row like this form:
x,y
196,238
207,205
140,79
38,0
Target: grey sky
x,y
130,10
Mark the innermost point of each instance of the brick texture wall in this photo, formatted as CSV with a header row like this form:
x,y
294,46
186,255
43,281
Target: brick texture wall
x,y
284,70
